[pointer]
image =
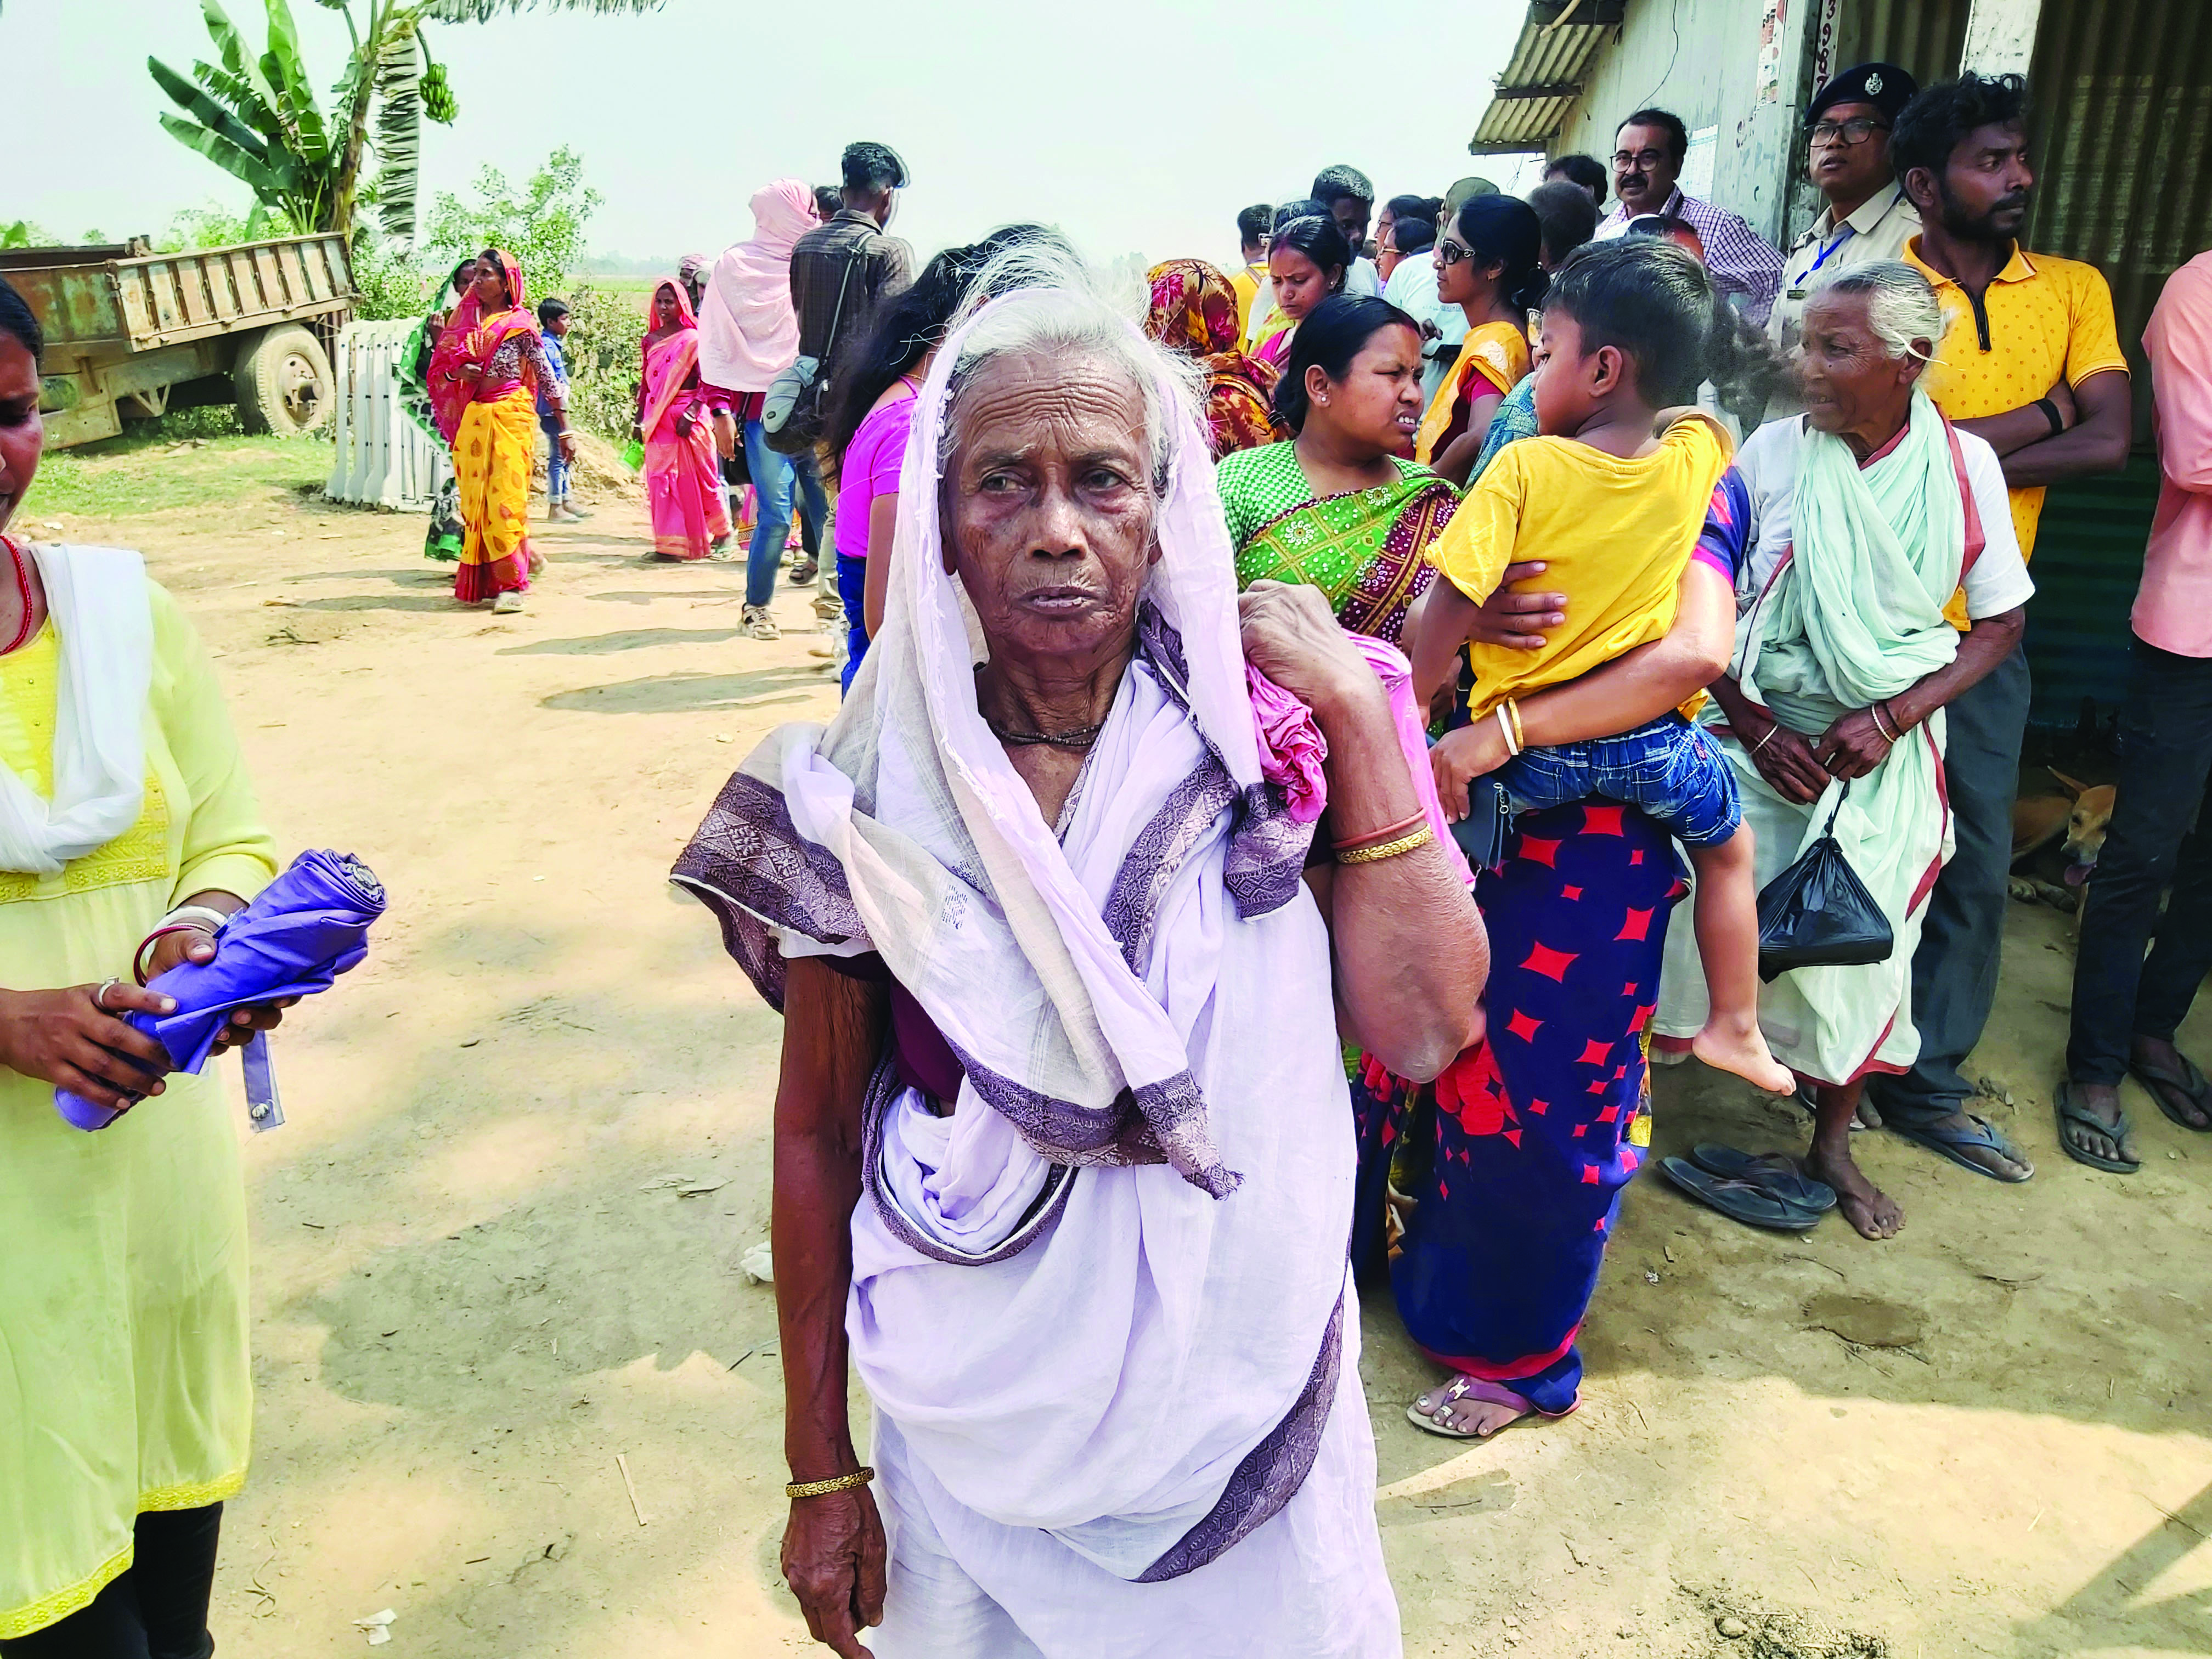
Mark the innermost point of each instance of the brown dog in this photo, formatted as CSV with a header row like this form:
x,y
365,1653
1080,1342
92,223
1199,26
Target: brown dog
x,y
2082,815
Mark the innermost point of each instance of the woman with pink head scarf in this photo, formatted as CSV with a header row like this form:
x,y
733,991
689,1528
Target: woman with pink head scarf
x,y
748,335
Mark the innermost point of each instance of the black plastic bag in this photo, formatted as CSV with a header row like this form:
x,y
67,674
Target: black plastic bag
x,y
1818,914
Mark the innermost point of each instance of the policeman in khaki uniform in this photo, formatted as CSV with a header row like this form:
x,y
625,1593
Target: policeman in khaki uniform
x,y
1869,216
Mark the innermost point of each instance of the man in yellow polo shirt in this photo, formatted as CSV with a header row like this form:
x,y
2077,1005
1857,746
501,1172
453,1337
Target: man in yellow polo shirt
x,y
2031,361
1253,224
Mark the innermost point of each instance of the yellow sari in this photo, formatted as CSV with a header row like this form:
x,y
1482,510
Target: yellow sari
x,y
492,456
1494,359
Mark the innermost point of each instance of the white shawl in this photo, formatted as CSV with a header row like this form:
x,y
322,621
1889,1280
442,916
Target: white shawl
x,y
98,598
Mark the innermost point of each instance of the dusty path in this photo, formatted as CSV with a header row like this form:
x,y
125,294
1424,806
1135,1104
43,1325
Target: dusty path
x,y
496,1246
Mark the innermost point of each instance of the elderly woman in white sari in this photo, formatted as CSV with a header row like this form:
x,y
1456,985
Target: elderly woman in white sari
x,y
1869,514
1064,1152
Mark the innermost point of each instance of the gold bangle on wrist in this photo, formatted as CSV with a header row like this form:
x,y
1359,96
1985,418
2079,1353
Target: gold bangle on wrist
x,y
1388,849
860,1477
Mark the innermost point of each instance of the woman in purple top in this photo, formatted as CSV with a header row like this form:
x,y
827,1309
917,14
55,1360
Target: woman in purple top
x,y
872,411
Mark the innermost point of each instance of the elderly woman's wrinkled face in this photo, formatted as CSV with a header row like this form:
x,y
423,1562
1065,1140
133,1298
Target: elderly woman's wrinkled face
x,y
1850,382
22,435
1048,504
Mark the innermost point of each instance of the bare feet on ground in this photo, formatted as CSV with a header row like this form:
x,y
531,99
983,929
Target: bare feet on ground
x,y
1468,1415
1727,1046
1864,1205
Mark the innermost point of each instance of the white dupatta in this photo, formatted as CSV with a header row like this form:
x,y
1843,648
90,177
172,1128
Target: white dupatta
x,y
98,600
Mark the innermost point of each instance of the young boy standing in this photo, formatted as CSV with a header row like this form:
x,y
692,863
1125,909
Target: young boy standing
x,y
552,324
1611,497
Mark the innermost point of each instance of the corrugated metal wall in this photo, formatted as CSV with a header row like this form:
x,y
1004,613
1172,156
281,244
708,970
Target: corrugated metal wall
x,y
2124,168
1925,36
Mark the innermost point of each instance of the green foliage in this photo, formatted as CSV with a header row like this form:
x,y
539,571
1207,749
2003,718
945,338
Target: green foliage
x,y
542,225
258,118
390,285
216,226
23,234
601,348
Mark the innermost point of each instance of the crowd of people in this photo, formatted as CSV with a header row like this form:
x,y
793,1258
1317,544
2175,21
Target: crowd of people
x,y
1240,867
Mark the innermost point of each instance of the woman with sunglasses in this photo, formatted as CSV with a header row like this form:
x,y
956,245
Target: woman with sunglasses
x,y
1489,263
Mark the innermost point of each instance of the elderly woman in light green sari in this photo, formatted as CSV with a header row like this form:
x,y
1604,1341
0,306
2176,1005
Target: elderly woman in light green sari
x,y
1869,512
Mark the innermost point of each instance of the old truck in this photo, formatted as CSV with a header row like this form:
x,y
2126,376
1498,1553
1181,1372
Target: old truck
x,y
132,333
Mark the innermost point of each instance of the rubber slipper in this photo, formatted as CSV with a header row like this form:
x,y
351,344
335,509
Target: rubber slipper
x,y
1746,1201
1950,1142
2198,1092
2120,1133
1467,1387
1776,1171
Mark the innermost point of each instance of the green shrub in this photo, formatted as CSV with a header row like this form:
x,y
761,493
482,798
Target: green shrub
x,y
603,356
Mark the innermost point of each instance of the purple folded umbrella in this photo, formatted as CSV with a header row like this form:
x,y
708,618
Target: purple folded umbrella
x,y
307,927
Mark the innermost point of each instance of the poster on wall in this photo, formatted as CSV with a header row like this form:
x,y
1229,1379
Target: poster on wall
x,y
1772,16
1696,177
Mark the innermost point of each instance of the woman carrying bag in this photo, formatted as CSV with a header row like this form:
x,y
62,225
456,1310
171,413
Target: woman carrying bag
x,y
1868,514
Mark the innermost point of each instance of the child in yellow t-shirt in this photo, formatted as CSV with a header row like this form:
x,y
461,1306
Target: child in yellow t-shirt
x,y
1611,497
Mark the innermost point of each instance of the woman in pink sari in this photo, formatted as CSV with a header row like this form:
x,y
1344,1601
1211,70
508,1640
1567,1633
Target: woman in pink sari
x,y
682,480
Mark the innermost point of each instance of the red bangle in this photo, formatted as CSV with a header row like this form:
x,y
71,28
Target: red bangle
x,y
1387,833
138,958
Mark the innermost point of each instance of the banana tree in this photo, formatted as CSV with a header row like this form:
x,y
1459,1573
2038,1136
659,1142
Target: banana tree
x,y
258,117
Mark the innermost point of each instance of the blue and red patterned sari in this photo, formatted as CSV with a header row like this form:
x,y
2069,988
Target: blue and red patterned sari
x,y
1492,1194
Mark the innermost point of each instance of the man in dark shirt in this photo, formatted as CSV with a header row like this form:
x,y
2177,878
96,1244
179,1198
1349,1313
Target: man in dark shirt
x,y
853,242
839,271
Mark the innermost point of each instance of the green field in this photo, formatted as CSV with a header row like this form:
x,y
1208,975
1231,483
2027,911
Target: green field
x,y
151,471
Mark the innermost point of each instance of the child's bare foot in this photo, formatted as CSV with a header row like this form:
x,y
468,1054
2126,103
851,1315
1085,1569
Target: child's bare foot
x,y
1742,1050
1864,1205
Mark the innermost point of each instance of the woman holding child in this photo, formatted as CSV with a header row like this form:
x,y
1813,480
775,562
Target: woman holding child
x,y
1833,702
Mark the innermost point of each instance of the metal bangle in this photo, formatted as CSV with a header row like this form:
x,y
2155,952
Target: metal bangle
x,y
1889,734
860,1477
1768,738
1388,849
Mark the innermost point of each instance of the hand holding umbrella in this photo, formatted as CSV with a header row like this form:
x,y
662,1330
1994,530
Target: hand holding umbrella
x,y
306,928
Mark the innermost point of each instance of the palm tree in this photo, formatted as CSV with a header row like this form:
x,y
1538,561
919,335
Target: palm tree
x,y
258,118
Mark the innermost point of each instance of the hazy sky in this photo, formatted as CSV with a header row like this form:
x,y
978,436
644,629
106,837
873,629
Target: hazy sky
x,y
1137,125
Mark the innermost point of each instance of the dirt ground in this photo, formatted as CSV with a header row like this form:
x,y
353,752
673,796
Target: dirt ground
x,y
515,1388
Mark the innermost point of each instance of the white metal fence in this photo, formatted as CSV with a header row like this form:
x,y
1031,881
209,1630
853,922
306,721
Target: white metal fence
x,y
384,460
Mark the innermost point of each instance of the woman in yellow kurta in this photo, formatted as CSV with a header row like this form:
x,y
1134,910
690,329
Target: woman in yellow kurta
x,y
125,1394
1486,264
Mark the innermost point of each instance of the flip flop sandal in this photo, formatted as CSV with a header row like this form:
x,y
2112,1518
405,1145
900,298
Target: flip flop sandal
x,y
1748,1201
1470,1388
2198,1092
1952,1143
1776,1171
2121,1133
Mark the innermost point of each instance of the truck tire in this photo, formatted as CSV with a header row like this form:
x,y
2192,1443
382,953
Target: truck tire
x,y
284,383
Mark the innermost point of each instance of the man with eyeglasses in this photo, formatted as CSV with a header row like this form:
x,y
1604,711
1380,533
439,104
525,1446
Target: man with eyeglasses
x,y
1867,217
1648,154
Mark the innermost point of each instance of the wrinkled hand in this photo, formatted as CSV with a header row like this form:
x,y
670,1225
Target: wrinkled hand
x,y
833,1560
65,1038
1785,761
1291,635
1853,746
1460,757
197,945
1509,618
